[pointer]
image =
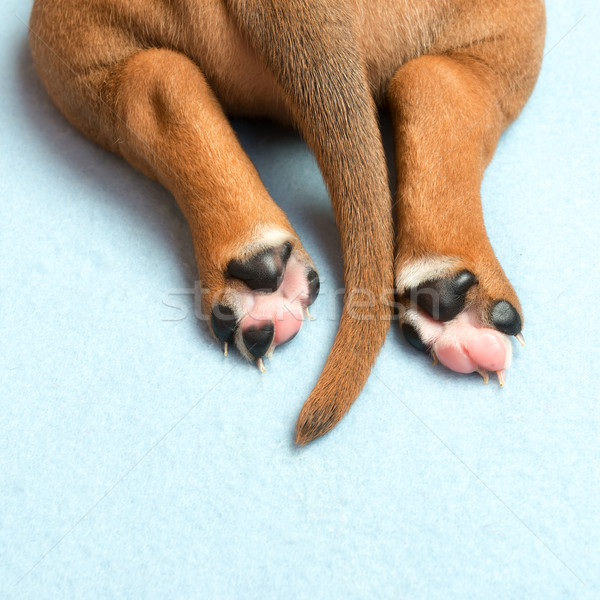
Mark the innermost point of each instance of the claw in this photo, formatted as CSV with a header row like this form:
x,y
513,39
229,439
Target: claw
x,y
484,374
261,365
521,339
435,358
225,348
501,378
269,353
308,315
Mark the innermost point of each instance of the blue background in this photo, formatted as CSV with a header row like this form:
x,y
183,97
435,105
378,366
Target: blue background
x,y
137,461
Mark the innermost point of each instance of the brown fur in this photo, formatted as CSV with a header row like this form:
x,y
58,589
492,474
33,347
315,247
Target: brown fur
x,y
152,80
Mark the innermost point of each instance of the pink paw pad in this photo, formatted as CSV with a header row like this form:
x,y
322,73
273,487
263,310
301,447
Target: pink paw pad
x,y
284,307
269,310
462,344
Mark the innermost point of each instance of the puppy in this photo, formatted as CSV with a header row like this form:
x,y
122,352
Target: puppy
x,y
152,80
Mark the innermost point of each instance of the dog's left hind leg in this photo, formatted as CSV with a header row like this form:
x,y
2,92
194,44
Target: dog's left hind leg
x,y
448,112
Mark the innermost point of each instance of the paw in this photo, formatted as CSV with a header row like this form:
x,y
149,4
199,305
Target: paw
x,y
265,301
449,314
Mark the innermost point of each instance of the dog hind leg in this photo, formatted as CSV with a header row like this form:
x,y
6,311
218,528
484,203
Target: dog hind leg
x,y
448,112
155,108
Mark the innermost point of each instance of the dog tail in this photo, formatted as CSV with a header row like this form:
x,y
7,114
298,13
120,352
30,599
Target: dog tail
x,y
309,47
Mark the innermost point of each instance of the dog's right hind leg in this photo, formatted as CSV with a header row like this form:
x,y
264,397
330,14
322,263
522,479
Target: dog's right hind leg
x,y
162,116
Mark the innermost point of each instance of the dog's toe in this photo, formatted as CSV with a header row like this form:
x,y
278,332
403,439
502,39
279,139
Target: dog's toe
x,y
258,338
505,318
314,286
224,322
413,338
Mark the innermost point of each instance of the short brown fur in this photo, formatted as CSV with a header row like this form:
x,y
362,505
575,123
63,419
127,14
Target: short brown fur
x,y
152,81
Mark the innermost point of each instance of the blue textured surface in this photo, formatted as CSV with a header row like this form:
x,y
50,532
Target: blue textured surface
x,y
137,462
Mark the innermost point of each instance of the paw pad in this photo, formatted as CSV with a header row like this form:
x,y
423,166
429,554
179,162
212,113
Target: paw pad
x,y
443,299
314,285
263,271
258,339
224,322
505,318
413,338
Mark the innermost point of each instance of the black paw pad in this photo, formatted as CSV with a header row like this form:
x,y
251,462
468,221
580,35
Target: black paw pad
x,y
505,318
412,337
223,321
443,299
263,271
258,339
314,285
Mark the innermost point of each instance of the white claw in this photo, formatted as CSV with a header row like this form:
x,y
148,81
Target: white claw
x,y
521,339
484,374
269,353
225,348
308,315
261,365
501,377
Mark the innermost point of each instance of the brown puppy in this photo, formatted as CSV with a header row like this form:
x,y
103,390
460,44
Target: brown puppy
x,y
152,80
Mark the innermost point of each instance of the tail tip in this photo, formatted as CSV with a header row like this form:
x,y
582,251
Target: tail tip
x,y
313,422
